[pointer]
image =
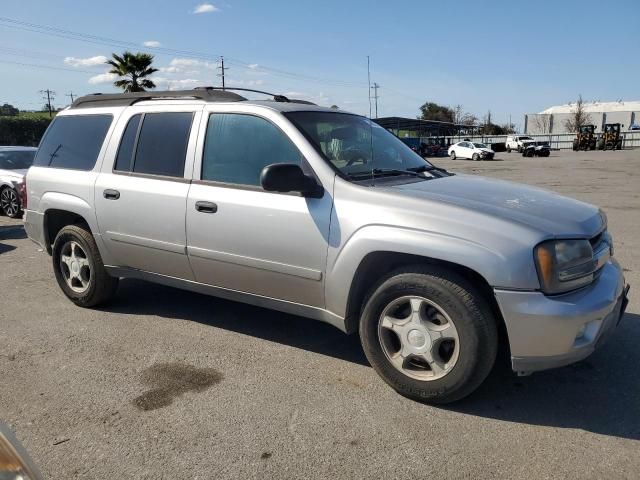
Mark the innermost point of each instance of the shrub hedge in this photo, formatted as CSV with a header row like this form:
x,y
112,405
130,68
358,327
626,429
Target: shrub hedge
x,y
22,130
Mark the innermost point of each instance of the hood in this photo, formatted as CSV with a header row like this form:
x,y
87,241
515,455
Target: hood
x,y
546,211
488,150
13,173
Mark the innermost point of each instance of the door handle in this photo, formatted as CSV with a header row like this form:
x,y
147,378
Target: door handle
x,y
110,194
206,207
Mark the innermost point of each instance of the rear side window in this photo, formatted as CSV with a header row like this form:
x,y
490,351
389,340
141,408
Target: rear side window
x,y
73,142
162,143
237,147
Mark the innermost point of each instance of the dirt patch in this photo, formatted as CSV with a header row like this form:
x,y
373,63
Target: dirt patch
x,y
170,380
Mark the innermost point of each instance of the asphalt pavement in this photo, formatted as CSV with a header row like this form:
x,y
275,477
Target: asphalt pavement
x,y
163,383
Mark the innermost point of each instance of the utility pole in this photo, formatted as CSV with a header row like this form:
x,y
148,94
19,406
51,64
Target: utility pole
x,y
70,94
375,95
222,69
50,95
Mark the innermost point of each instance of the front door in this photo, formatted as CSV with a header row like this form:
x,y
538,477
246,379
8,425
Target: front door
x,y
243,238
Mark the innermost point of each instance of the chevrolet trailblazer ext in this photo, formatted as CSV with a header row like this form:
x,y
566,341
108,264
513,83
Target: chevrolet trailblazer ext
x,y
326,215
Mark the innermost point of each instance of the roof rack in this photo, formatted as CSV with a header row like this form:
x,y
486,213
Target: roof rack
x,y
126,99
276,97
208,94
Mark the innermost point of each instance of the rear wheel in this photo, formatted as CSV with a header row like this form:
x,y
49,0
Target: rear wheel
x,y
79,270
453,155
429,334
10,203
508,149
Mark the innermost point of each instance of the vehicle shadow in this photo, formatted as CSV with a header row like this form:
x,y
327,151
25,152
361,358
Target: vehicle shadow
x,y
139,297
10,232
600,394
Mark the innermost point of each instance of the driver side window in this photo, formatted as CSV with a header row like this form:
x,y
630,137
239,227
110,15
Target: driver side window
x,y
238,146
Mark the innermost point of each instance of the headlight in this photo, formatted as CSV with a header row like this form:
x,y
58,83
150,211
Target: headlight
x,y
564,265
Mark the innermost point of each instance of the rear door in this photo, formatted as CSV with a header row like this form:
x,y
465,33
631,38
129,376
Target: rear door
x,y
141,193
241,237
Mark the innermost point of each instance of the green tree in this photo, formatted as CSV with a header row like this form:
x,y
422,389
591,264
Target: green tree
x,y
433,111
132,68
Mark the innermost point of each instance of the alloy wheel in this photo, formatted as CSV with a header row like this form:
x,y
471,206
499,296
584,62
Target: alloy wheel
x,y
9,202
75,267
418,338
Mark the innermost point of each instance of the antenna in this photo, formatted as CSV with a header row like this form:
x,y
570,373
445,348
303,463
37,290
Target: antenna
x,y
369,82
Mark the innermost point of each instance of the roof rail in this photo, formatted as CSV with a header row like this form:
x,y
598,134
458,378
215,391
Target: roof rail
x,y
276,97
208,94
125,99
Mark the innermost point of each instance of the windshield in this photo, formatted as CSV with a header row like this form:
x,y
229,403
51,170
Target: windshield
x,y
16,159
354,144
479,145
526,138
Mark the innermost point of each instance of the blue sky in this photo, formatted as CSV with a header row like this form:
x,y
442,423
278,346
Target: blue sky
x,y
510,57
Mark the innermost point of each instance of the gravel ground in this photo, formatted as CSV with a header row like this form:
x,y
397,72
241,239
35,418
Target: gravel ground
x,y
169,384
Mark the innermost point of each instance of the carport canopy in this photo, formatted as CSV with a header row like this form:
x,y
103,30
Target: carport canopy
x,y
420,128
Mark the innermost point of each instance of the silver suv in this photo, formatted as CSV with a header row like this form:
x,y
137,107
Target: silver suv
x,y
323,214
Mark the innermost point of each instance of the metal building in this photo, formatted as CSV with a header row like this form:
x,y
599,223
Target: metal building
x,y
553,120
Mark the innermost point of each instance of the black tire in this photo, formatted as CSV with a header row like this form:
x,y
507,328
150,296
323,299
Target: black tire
x,y
453,155
474,322
475,157
619,145
10,202
101,286
519,149
508,149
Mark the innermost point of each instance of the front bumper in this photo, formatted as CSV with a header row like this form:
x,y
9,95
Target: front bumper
x,y
553,331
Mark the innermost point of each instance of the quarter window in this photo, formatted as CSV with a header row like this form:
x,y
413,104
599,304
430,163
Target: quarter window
x,y
126,151
237,148
73,142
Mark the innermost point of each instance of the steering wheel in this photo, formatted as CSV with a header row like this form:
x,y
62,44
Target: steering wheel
x,y
354,155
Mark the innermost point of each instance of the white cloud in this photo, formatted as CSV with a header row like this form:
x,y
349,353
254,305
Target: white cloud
x,y
85,62
253,66
205,8
152,43
187,65
103,78
176,84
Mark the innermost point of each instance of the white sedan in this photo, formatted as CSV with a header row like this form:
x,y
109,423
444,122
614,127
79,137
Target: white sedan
x,y
472,150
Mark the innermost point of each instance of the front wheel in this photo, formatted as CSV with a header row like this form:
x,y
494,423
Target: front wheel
x,y
10,203
429,334
453,154
79,270
475,157
508,149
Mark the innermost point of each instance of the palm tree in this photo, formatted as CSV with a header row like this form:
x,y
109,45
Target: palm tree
x,y
132,68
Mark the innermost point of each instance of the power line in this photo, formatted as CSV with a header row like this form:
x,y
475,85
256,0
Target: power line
x,y
50,67
95,39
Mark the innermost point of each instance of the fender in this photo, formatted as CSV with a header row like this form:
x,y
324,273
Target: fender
x,y
497,264
79,206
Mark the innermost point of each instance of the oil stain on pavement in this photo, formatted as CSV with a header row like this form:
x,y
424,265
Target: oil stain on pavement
x,y
170,380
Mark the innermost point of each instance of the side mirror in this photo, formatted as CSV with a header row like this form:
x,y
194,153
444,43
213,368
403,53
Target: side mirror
x,y
289,177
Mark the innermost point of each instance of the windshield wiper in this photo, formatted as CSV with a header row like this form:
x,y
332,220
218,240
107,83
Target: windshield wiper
x,y
397,171
429,168
54,154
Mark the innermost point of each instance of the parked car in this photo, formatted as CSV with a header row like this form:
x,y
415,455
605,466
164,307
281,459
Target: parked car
x,y
14,163
515,142
326,215
472,150
536,149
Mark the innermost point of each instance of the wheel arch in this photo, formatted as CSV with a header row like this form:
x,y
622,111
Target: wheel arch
x,y
375,265
56,219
